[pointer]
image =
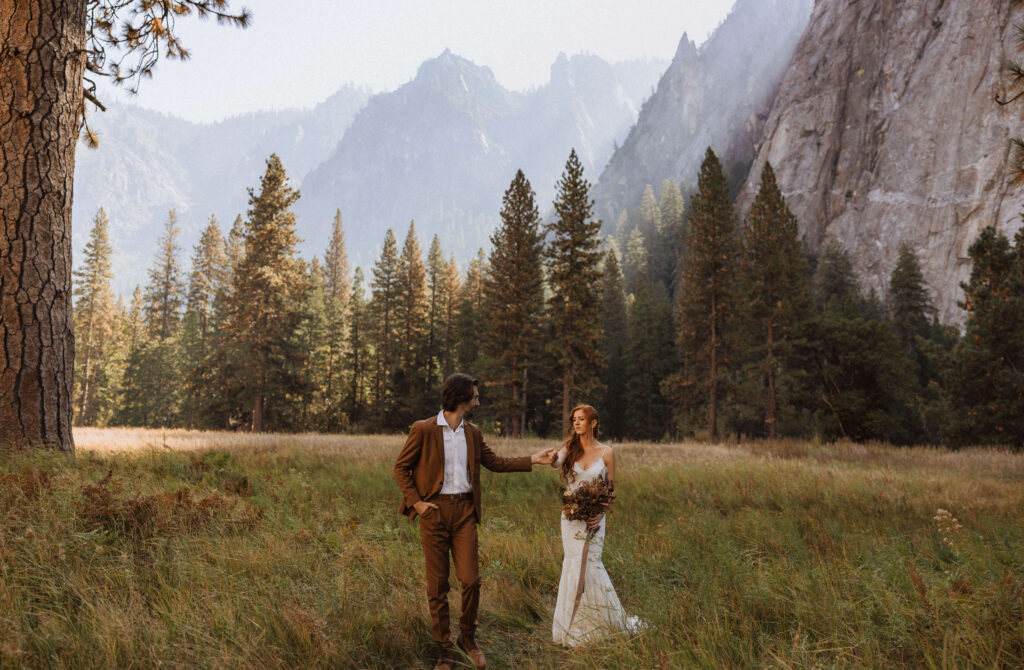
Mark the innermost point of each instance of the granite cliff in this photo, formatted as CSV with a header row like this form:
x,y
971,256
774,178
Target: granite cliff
x,y
718,95
884,131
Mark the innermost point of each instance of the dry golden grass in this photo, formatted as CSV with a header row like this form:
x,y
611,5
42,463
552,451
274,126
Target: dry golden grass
x,y
228,550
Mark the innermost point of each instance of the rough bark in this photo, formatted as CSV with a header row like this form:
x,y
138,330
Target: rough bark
x,y
42,60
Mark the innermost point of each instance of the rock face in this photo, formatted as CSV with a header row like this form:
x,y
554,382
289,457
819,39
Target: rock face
x,y
884,132
717,96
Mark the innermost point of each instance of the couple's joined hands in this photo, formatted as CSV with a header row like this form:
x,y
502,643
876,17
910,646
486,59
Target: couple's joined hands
x,y
543,457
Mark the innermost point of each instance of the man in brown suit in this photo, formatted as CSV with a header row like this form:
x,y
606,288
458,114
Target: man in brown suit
x,y
438,472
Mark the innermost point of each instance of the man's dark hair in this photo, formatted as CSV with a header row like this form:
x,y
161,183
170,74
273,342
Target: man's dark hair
x,y
457,389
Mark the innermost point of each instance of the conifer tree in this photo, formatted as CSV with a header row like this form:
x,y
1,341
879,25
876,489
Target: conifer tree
x,y
651,225
635,260
153,393
316,351
614,342
650,360
985,383
235,244
514,305
134,337
864,375
623,227
574,258
437,307
217,379
469,319
95,323
267,302
927,343
777,306
209,274
383,305
337,288
673,224
910,306
135,323
411,320
358,357
165,292
453,289
707,295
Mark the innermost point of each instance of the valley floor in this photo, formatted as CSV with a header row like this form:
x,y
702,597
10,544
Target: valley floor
x,y
186,549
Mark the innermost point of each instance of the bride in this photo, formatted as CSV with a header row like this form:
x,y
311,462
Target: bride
x,y
582,458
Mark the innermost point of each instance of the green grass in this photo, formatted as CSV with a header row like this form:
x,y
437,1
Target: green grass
x,y
287,551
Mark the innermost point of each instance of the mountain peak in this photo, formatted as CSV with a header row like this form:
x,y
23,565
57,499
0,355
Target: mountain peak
x,y
686,50
449,69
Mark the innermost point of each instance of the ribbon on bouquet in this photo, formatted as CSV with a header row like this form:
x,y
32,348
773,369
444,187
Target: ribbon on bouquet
x,y
583,573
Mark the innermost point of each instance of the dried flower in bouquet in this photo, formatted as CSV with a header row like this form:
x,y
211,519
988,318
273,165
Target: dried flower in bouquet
x,y
588,501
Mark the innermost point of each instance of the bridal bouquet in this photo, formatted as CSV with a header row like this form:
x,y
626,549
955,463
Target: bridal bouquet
x,y
588,501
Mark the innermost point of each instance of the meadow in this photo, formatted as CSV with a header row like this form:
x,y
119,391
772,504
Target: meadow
x,y
180,549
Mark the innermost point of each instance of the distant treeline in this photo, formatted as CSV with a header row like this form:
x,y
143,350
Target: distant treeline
x,y
685,321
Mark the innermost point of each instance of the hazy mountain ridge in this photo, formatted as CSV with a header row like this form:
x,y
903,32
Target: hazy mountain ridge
x,y
439,150
442,149
149,162
718,95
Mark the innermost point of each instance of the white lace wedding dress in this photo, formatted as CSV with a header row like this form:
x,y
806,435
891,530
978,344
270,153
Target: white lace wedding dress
x,y
599,611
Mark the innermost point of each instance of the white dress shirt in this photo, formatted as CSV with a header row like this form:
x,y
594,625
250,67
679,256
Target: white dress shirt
x,y
456,458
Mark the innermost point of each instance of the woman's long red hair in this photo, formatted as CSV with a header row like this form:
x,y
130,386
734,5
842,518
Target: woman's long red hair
x,y
575,447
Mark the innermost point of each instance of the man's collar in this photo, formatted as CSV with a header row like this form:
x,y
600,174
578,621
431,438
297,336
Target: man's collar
x,y
441,421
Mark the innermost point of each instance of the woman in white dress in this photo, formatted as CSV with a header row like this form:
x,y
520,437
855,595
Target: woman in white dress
x,y
582,458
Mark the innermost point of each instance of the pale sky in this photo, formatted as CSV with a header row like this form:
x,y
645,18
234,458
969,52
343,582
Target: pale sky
x,y
296,53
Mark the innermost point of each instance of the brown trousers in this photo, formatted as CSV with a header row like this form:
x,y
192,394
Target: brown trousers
x,y
451,527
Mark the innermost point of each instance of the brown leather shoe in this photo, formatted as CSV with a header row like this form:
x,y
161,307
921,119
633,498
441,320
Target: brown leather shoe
x,y
468,645
444,660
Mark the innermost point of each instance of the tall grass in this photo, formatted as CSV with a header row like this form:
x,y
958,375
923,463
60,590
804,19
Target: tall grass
x,y
186,549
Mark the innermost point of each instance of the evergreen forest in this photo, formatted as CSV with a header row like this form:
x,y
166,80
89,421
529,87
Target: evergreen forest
x,y
682,320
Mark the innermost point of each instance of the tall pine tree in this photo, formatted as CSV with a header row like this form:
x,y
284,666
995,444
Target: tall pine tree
x,y
650,360
707,295
267,303
96,323
165,292
514,304
986,379
449,347
776,309
574,258
358,357
864,375
411,318
337,288
438,298
383,304
614,332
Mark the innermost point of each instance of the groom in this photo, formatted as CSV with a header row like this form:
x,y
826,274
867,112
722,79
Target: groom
x,y
438,472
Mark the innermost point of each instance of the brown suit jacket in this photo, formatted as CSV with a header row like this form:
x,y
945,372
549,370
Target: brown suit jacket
x,y
419,469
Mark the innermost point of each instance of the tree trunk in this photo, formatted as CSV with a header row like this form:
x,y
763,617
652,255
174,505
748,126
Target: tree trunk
x,y
42,60
770,420
86,371
566,392
522,405
260,399
513,413
713,374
